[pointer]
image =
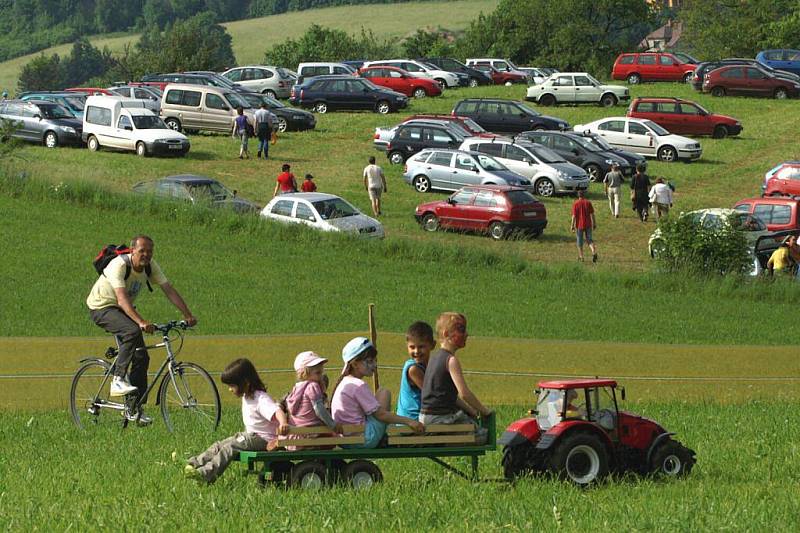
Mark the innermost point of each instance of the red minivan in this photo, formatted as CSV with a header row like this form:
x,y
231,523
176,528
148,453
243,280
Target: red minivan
x,y
683,117
747,80
498,210
401,81
777,213
651,66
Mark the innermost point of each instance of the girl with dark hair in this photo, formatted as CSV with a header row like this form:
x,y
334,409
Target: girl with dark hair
x,y
263,420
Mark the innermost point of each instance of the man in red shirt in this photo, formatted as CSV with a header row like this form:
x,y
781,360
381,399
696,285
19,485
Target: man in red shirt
x,y
286,182
583,223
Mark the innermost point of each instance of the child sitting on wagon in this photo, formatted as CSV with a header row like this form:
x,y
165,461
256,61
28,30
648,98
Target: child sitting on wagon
x,y
446,398
354,403
419,343
306,403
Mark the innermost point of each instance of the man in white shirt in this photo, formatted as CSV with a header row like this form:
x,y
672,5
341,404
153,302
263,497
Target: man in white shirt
x,y
375,183
264,124
661,198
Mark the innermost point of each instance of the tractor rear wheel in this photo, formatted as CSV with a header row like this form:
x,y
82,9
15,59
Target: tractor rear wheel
x,y
581,458
516,460
671,459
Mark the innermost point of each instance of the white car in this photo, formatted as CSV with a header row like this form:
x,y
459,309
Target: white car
x,y
324,212
420,70
275,82
576,88
535,75
643,137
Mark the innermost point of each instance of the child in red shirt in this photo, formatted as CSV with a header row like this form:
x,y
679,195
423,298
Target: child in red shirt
x,y
583,222
308,184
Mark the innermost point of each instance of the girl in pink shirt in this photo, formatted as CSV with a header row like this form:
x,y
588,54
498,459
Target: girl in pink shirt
x,y
353,401
306,403
263,421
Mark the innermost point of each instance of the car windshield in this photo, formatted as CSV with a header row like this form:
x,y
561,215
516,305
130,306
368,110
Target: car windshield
x,y
54,111
252,98
593,80
658,130
488,163
271,102
747,222
152,89
587,144
473,126
76,102
220,81
599,141
546,155
334,208
237,101
148,122
369,84
212,190
285,74
429,65
528,110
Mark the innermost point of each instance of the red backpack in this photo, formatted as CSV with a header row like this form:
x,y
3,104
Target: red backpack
x,y
112,251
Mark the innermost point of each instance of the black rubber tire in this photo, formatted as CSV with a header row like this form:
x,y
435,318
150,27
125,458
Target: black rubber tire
x,y
282,125
781,93
671,459
667,154
86,391
430,222
544,187
396,158
50,139
687,78
271,94
718,91
141,149
594,172
419,92
321,108
422,184
473,82
361,474
634,79
279,472
192,405
308,475
515,461
93,144
174,124
720,131
442,83
608,100
497,230
580,458
383,107
547,100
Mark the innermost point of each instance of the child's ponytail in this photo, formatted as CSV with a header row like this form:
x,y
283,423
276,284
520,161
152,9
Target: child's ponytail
x,y
345,372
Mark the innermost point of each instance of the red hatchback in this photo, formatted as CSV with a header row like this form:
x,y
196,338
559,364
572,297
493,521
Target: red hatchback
x,y
401,81
498,210
777,213
651,66
746,80
683,117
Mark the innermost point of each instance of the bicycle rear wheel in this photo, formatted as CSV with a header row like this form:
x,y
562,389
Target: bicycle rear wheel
x,y
89,401
189,400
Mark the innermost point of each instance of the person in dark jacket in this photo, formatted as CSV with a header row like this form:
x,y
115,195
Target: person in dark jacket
x,y
640,191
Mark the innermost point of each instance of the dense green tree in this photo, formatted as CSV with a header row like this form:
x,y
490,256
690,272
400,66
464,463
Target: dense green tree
x,y
157,14
428,43
326,44
42,73
85,62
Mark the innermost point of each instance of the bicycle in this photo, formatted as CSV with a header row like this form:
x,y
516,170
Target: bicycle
x,y
187,394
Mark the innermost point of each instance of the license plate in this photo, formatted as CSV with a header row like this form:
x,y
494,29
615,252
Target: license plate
x,y
174,146
530,213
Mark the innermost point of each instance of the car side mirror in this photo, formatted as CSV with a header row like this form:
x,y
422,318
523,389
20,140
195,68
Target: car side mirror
x,y
226,108
451,201
575,151
37,117
527,160
522,115
128,128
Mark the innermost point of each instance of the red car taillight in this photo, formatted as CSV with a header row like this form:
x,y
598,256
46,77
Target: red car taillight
x,y
377,135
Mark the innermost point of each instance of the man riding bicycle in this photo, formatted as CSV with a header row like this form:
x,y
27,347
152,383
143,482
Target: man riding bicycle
x,y
111,307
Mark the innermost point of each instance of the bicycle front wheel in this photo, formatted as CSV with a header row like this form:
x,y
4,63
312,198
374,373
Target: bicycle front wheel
x,y
89,400
189,400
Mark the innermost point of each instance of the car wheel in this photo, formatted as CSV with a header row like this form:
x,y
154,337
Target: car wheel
x,y
781,94
580,458
173,124
667,154
547,100
383,107
442,83
396,158
321,107
422,184
720,132
545,187
634,79
718,91
473,82
271,94
419,92
51,139
608,100
671,459
141,149
687,78
282,124
539,128
497,230
593,171
430,222
93,144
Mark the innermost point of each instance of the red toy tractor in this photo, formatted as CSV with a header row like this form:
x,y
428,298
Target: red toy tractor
x,y
578,433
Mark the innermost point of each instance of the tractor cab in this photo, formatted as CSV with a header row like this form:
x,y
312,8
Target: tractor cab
x,y
590,400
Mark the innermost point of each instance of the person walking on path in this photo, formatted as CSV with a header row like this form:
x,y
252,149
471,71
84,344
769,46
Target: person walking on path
x,y
375,183
661,198
242,129
640,190
286,183
264,123
583,223
612,183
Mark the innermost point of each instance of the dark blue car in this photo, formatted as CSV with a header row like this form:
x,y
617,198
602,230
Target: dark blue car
x,y
784,59
324,93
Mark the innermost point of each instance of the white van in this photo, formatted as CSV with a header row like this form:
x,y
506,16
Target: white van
x,y
125,124
309,70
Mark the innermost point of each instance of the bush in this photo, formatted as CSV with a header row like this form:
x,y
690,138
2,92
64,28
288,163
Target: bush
x,y
324,44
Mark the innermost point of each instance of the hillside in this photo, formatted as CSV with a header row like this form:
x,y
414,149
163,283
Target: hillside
x,y
252,37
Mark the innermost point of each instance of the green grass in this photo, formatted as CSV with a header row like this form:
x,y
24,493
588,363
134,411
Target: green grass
x,y
253,37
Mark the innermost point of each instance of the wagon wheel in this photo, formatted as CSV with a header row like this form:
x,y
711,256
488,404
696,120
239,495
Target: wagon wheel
x,y
308,475
362,474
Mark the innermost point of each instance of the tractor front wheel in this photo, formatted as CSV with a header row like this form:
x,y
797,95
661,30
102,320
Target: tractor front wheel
x,y
672,459
517,460
581,458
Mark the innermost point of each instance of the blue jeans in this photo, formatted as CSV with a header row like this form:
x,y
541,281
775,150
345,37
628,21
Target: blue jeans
x,y
263,145
584,233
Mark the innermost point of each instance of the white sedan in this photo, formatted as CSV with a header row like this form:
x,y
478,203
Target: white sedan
x,y
576,88
324,212
643,137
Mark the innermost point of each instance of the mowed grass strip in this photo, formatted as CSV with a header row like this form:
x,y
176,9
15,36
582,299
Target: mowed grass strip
x,y
56,477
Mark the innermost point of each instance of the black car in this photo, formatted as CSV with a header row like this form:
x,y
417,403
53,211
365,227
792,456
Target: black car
x,y
581,151
330,92
412,137
707,66
198,190
634,160
474,77
288,118
41,122
506,116
197,78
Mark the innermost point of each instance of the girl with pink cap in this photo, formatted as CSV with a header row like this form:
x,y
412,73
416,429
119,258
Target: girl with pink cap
x,y
306,403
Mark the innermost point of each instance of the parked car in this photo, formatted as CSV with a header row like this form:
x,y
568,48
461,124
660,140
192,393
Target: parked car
x,y
41,122
324,212
535,75
783,181
286,118
444,78
73,102
207,78
644,137
777,213
323,93
580,151
576,88
88,90
125,124
684,117
748,81
401,81
651,66
633,159
502,77
707,66
150,96
449,170
475,77
473,128
466,126
498,210
275,82
198,190
506,116
412,137
201,107
783,59
788,170
313,69
549,172
503,65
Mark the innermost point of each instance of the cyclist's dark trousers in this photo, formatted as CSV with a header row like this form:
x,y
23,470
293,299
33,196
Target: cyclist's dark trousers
x,y
115,321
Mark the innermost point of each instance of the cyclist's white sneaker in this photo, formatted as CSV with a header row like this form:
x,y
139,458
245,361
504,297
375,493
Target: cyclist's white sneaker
x,y
141,418
121,387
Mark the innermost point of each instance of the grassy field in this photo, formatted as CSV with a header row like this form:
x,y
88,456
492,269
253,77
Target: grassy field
x,y
253,37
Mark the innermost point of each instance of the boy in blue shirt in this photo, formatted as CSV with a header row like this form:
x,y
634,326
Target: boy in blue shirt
x,y
419,342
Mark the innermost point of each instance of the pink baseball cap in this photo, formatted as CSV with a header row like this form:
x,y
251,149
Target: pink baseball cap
x,y
307,359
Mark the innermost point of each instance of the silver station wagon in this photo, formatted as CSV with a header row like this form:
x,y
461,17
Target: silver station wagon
x,y
449,170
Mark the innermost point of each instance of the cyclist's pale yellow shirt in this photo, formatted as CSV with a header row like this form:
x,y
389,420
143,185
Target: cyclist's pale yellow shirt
x,y
113,277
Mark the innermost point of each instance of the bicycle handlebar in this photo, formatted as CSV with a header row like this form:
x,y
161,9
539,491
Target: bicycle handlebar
x,y
172,324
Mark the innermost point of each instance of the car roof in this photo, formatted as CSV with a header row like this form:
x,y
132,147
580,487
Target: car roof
x,y
494,188
188,179
577,383
509,100
662,99
778,200
308,196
